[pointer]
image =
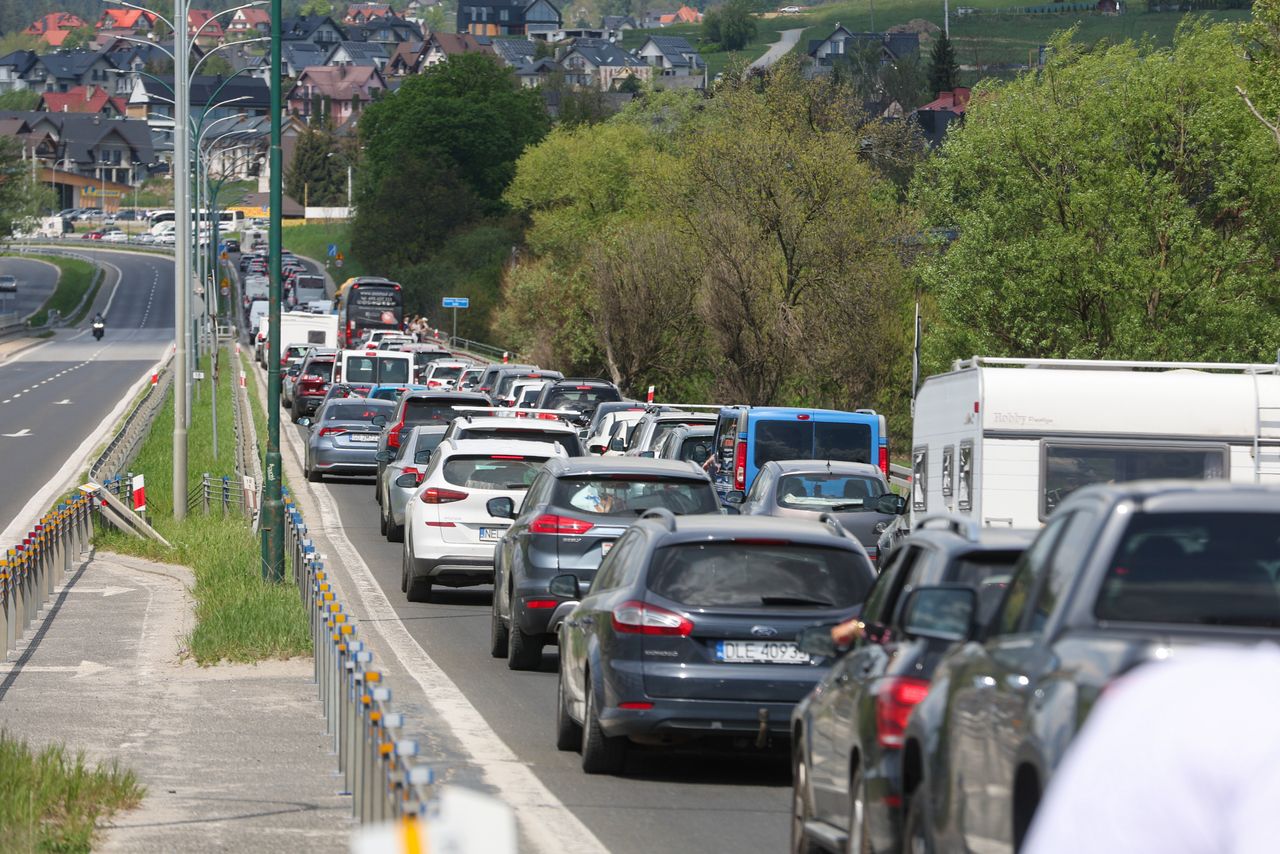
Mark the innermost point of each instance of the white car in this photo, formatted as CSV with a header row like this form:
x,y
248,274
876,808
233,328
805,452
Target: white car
x,y
115,237
449,534
443,373
611,439
517,426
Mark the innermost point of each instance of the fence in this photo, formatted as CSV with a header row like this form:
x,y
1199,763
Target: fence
x,y
900,476
479,348
377,763
31,570
225,493
124,445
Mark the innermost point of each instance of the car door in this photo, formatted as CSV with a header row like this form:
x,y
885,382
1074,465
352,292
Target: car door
x,y
515,540
833,709
588,625
759,498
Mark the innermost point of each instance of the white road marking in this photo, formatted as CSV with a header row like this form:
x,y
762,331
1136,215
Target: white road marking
x,y
20,434
84,668
104,592
61,403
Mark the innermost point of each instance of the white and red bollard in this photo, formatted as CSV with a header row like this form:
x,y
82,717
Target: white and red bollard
x,y
650,398
242,379
155,379
138,488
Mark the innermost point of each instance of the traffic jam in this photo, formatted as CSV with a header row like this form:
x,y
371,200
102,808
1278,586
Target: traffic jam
x,y
924,641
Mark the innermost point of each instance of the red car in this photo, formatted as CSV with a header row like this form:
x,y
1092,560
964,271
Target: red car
x,y
91,235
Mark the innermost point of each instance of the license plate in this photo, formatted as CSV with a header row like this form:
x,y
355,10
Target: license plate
x,y
366,438
491,535
760,652
604,548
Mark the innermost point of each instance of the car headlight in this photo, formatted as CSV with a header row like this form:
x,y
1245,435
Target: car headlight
x,y
880,527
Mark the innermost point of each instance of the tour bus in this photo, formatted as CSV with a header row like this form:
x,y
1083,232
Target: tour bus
x,y
365,303
1004,441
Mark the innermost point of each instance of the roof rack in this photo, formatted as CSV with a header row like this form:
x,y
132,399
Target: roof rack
x,y
1113,365
686,406
830,520
960,525
668,518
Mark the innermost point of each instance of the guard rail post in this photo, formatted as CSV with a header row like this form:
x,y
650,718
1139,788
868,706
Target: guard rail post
x,y
226,495
346,633
204,492
364,762
351,738
68,542
341,707
27,553
6,597
375,781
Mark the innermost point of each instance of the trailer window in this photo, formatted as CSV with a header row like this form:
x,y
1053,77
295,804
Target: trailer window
x,y
1067,467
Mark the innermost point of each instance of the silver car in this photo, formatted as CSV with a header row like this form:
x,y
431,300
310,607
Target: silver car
x,y
343,438
855,493
403,472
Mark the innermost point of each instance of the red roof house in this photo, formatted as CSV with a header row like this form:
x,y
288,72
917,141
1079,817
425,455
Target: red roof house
x,y
82,99
54,27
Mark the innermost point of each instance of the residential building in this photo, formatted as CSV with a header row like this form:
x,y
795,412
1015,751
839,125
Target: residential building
x,y
357,54
83,99
359,13
671,56
64,70
843,42
683,15
252,21
54,27
440,46
343,90
319,30
215,97
598,64
405,61
89,159
205,28
17,71
390,30
937,116
127,22
508,17
297,55
249,63
533,74
516,53
617,23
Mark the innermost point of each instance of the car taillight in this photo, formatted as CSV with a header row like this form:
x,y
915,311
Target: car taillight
x,y
884,460
393,436
547,416
895,698
436,495
550,523
740,466
641,618
332,431
636,706
541,603
433,384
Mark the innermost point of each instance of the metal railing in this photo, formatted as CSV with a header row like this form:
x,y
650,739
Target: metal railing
x,y
225,493
900,476
30,570
378,764
479,348
124,444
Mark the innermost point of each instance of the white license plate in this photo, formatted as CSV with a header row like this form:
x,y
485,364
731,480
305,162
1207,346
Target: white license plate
x,y
491,535
604,548
760,652
364,438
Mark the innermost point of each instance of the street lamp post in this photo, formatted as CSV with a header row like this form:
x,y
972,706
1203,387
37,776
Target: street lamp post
x,y
272,504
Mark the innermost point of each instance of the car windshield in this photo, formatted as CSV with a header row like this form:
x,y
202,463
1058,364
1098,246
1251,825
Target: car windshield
x,y
631,495
568,440
324,370
386,393
505,472
827,492
1206,568
759,575
353,411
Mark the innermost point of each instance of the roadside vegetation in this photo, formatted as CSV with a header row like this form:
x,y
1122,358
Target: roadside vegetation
x,y
75,279
312,239
239,617
51,800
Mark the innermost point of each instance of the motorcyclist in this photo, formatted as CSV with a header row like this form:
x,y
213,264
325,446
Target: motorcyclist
x,y
99,325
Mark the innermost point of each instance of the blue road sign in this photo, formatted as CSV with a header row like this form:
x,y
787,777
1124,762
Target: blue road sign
x,y
333,250
456,302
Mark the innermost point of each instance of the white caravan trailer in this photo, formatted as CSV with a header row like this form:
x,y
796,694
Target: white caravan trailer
x,y
1005,440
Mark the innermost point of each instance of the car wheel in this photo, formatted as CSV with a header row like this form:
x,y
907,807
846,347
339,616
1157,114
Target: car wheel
x,y
382,520
568,732
395,533
416,589
314,476
801,812
498,636
600,753
294,415
859,839
524,651
377,488
917,830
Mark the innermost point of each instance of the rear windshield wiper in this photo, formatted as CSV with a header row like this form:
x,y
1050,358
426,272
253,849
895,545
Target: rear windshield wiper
x,y
795,600
845,508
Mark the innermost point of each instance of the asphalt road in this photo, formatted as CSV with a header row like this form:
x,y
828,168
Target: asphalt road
x,y
36,281
55,395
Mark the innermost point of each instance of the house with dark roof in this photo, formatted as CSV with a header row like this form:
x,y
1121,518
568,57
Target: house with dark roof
x,y
248,63
671,56
64,70
86,150
405,60
320,30
17,70
618,23
152,101
508,17
360,54
842,42
389,29
440,46
515,53
534,73
342,90
599,64
937,116
297,55
83,99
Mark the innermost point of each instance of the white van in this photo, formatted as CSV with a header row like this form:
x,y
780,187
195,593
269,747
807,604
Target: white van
x,y
374,367
258,309
1004,441
164,228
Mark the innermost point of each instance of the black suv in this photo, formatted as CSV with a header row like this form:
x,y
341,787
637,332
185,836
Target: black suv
x,y
847,734
1120,575
569,519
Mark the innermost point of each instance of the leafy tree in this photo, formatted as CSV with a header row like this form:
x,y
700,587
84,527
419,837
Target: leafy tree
x,y
21,198
1121,203
316,7
18,40
318,173
79,37
19,99
944,71
217,64
436,20
711,22
731,26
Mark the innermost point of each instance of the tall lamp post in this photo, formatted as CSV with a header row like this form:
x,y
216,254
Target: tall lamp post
x,y
272,503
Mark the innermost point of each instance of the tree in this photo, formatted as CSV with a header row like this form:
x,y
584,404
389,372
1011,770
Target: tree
x,y
79,37
944,72
1120,203
19,99
731,26
318,173
21,198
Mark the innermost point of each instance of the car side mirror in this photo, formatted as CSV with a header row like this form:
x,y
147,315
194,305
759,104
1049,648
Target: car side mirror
x,y
737,497
940,613
565,586
817,640
894,505
406,481
304,421
378,420
617,444
647,454
501,508
383,456
597,447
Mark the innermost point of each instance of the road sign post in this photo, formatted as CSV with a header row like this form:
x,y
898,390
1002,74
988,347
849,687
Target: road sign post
x,y
455,303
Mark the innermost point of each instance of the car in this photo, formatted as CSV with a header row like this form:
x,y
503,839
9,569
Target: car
x,y
313,381
468,378
657,421
847,733
689,443
790,10
166,239
855,493
480,426
343,438
394,342
231,245
568,522
8,284
489,378
508,376
608,434
1120,575
423,407
115,237
689,631
91,235
450,532
605,412
580,395
525,393
424,355
393,392
288,380
402,474
443,373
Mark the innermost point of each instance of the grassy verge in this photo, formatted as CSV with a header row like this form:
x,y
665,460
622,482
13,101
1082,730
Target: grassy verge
x,y
52,801
255,402
767,32
312,239
75,278
239,617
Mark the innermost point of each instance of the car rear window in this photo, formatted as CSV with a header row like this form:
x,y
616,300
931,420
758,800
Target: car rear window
x,y
758,576
427,442
623,494
822,491
586,397
567,440
445,372
1206,568
320,369
353,411
696,449
986,572
390,394
812,440
483,472
662,428
427,411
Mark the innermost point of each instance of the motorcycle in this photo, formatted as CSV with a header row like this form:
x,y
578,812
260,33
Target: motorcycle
x,y
98,328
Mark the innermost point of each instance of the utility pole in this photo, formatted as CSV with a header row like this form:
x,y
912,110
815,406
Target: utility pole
x,y
182,249
272,503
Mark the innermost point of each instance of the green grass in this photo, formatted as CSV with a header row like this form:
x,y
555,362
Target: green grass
x,y
767,30
239,617
75,277
312,239
51,800
255,402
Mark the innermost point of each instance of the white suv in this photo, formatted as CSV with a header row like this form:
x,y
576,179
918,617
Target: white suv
x,y
449,533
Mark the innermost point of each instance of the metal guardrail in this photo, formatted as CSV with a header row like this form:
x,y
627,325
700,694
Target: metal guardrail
x,y
124,445
378,764
479,348
900,476
30,570
226,493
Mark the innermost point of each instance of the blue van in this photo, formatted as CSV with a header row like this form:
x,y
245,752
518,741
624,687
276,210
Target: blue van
x,y
747,437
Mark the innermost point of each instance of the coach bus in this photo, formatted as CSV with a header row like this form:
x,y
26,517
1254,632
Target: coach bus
x,y
366,303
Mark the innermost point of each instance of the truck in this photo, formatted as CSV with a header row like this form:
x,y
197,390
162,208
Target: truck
x,y
297,327
1004,440
256,287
